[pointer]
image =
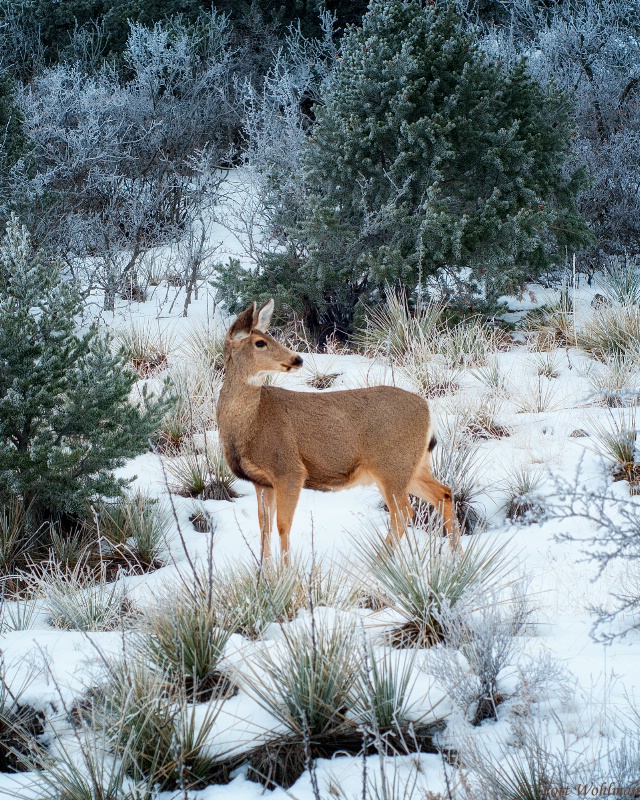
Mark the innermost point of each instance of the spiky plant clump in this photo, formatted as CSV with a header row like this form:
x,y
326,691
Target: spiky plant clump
x,y
621,281
468,344
69,548
522,500
552,325
616,381
393,327
417,575
185,638
320,377
254,596
383,705
492,377
82,599
146,348
21,728
612,331
430,372
159,735
536,397
479,417
616,442
204,344
137,527
202,474
545,363
86,769
18,542
457,461
311,678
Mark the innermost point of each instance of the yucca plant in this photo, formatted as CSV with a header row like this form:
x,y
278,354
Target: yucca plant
x,y
202,474
204,344
616,442
159,735
70,548
146,348
393,327
186,638
492,377
468,344
478,417
82,599
383,706
552,324
612,331
431,373
456,462
536,397
616,381
137,527
308,682
255,595
320,377
545,363
421,572
21,726
86,769
529,774
17,610
620,281
521,487
19,542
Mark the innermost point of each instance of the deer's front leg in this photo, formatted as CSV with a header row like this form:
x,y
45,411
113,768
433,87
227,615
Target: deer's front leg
x,y
266,514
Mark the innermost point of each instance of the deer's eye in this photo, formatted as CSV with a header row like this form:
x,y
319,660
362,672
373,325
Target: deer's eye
x,y
261,343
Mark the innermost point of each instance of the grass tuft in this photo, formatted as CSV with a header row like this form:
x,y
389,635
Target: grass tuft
x,y
203,474
146,348
419,574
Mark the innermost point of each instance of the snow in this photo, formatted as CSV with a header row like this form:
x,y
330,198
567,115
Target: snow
x,y
58,666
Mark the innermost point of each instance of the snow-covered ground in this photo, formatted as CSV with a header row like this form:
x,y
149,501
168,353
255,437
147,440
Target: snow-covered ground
x,y
582,709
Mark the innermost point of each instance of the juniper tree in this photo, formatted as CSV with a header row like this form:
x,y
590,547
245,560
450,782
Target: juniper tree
x,y
65,418
426,158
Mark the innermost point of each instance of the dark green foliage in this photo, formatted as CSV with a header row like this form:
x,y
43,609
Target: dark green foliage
x,y
427,158
13,142
65,418
57,21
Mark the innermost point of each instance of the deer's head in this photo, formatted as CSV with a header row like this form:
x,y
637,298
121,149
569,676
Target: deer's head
x,y
252,351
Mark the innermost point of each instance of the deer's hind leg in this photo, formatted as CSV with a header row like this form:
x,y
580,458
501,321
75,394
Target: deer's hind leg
x,y
426,487
287,495
266,515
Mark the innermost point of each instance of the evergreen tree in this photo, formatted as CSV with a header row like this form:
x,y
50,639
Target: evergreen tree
x,y
65,418
428,158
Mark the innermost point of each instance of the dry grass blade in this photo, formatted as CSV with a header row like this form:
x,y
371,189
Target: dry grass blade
x,y
21,727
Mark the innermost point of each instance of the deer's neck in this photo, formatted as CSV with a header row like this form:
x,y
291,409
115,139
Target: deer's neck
x,y
238,404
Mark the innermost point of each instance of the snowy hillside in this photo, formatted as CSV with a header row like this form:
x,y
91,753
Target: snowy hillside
x,y
533,420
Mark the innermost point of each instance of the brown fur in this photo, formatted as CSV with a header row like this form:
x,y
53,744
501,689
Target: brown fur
x,y
283,441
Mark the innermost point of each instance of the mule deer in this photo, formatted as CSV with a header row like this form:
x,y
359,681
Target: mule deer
x,y
283,441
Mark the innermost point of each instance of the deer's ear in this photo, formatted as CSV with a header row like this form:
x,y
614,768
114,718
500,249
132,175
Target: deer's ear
x,y
264,317
243,325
